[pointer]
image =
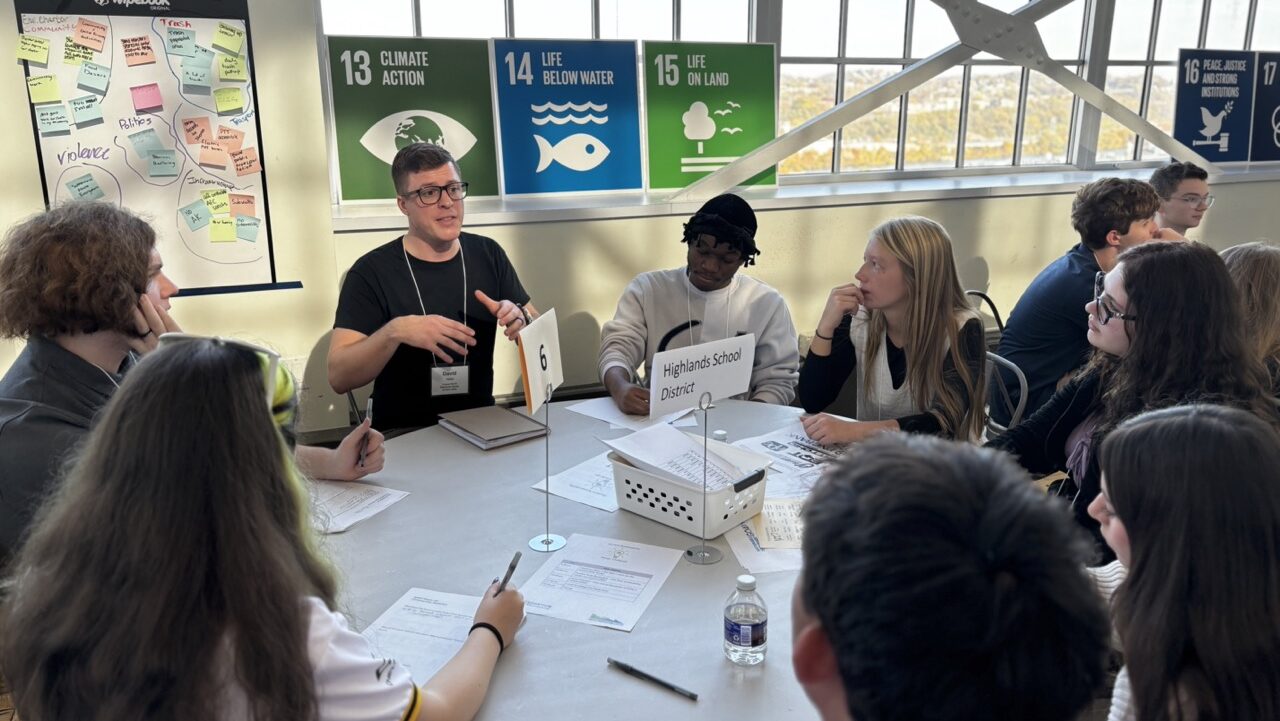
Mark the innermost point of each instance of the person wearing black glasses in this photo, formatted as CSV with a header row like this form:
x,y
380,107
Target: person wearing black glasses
x,y
1184,196
417,317
1166,330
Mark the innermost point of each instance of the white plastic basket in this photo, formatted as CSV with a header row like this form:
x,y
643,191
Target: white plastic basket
x,y
679,504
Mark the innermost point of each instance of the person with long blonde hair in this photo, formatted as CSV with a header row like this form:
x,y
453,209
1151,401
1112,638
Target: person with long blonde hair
x,y
906,327
1255,269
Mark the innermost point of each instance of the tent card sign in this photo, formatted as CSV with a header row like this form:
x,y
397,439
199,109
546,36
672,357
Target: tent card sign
x,y
153,106
540,360
680,377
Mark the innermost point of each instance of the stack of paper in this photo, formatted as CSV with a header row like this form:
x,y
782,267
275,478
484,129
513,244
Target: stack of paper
x,y
340,505
798,461
492,426
673,455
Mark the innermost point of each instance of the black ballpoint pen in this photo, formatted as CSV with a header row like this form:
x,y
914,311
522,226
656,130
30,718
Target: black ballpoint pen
x,y
633,671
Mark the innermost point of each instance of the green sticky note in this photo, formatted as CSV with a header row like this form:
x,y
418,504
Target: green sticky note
x,y
73,54
217,201
229,101
163,163
52,119
94,77
232,67
228,38
180,42
200,57
33,48
222,230
85,188
195,77
247,228
145,141
196,214
86,110
44,89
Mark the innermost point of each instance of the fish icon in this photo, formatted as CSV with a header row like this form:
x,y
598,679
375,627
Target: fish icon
x,y
580,152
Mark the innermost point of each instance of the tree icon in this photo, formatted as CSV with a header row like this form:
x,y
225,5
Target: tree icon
x,y
698,124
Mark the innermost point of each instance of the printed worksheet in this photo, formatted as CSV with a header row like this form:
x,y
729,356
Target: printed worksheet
x,y
339,505
670,453
798,461
589,482
423,630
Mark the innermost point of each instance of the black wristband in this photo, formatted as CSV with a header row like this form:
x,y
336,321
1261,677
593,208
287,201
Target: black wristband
x,y
502,645
816,334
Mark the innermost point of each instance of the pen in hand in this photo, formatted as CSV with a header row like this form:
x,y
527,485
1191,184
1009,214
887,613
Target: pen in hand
x,y
515,560
368,416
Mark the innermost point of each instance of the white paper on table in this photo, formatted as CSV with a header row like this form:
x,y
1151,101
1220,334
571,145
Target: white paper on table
x,y
604,409
688,421
339,505
757,559
667,452
423,630
589,482
779,524
798,461
600,581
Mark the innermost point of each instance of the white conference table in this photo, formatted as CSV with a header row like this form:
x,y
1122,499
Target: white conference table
x,y
469,510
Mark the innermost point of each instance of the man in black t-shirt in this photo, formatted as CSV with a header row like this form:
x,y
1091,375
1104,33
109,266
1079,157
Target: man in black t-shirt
x,y
418,316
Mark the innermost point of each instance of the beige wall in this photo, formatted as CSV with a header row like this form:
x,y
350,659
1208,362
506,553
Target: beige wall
x,y
577,267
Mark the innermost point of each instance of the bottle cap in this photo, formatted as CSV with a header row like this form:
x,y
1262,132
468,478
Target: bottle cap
x,y
720,435
746,582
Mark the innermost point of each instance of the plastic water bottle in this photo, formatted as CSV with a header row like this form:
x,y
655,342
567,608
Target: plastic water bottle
x,y
746,624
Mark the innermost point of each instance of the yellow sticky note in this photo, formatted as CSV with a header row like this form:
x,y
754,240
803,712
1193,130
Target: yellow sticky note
x,y
219,203
232,67
73,54
222,230
228,100
44,89
33,48
228,38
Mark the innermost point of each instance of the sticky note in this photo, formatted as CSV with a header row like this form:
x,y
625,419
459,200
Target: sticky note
x,y
246,161
94,77
196,214
196,130
196,77
146,97
85,188
222,230
217,200
137,51
243,205
180,42
144,141
52,119
86,110
200,57
230,138
228,100
44,89
247,228
90,34
73,54
213,155
33,48
163,163
232,67
228,38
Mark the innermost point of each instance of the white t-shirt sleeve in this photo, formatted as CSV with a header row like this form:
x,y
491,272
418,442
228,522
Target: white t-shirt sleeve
x,y
352,682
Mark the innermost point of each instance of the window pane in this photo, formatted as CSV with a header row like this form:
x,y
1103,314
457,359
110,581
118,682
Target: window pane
x,y
1047,127
879,28
1060,31
1131,30
933,122
993,115
636,20
1164,83
1179,27
931,30
715,20
870,142
1115,142
1227,21
372,17
805,91
1267,20
553,19
483,19
811,28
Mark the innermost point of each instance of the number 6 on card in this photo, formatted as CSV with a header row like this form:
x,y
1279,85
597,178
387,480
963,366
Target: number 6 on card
x,y
540,359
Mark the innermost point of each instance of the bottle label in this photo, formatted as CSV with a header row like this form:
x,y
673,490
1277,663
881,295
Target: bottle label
x,y
746,634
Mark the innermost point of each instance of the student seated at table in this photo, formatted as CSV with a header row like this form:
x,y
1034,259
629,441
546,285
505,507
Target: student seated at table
x,y
83,284
1191,505
1166,331
939,584
906,328
174,573
704,301
1255,268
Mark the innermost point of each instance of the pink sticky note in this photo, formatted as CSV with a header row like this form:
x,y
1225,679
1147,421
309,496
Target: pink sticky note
x,y
246,161
146,97
213,154
90,34
243,205
230,137
137,51
196,130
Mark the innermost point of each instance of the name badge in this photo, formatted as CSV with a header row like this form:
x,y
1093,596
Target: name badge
x,y
450,380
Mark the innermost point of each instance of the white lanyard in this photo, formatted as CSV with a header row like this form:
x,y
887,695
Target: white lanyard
x,y
461,256
688,301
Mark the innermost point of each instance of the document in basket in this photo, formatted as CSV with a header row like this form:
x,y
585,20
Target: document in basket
x,y
672,454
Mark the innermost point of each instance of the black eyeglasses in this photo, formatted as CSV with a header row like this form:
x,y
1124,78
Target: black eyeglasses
x,y
430,194
1103,311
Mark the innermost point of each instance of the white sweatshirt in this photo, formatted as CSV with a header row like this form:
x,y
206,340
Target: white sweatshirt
x,y
662,310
